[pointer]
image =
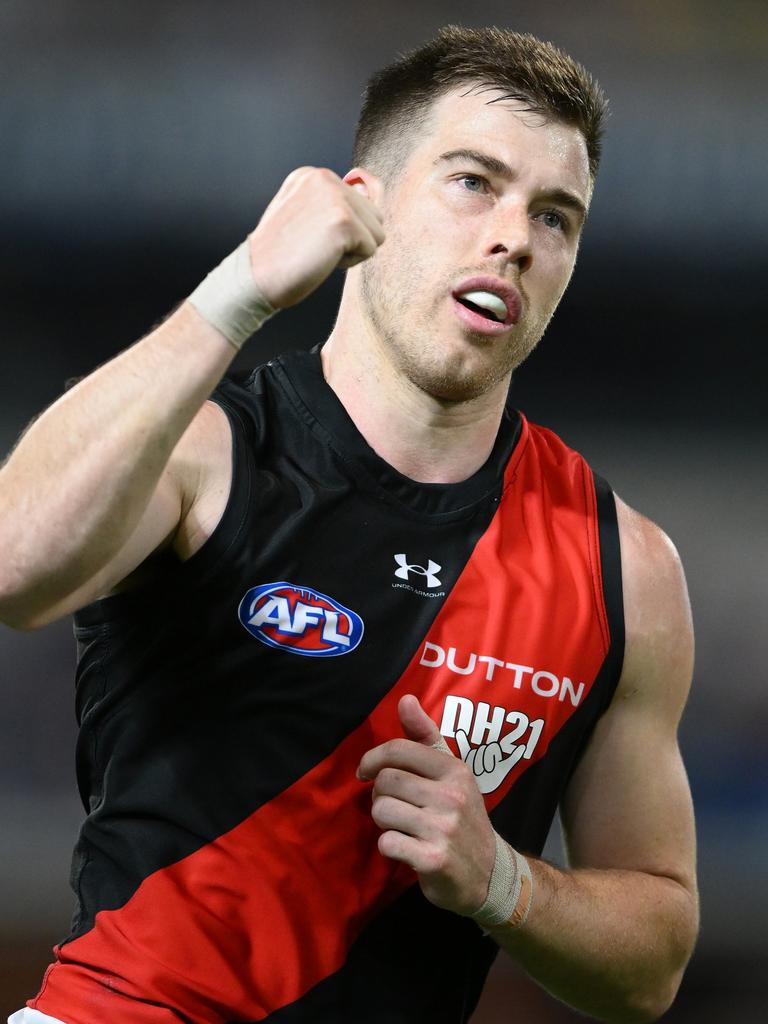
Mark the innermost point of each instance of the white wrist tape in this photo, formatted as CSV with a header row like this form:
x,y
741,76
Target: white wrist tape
x,y
510,889
229,298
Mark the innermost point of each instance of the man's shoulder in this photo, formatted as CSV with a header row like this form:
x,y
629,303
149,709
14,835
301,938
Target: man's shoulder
x,y
248,388
547,438
650,555
242,397
555,456
659,630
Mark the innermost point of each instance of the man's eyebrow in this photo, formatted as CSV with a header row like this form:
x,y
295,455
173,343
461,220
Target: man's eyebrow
x,y
496,166
490,163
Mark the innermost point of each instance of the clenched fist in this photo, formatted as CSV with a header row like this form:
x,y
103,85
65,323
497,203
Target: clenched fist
x,y
315,223
431,813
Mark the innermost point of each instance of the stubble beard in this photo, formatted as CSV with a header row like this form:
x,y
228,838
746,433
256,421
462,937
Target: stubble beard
x,y
414,347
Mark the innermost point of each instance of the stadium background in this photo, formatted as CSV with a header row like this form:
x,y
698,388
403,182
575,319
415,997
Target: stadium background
x,y
141,141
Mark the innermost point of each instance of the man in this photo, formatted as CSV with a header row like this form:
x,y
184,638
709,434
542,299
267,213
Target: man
x,y
366,625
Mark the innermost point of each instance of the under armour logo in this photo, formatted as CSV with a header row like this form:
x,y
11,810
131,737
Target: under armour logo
x,y
429,572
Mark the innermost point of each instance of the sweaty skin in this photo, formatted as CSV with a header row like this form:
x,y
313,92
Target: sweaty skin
x,y
426,393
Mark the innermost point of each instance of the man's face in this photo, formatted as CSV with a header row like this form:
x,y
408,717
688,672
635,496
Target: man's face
x,y
493,192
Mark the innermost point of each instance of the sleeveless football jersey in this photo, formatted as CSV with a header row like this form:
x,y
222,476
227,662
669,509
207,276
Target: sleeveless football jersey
x,y
228,869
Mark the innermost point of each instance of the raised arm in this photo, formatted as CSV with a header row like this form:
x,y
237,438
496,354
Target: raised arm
x,y
116,466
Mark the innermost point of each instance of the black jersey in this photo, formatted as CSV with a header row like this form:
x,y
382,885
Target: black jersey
x,y
228,869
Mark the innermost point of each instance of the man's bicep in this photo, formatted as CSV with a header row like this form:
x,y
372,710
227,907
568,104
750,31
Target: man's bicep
x,y
195,460
155,530
628,804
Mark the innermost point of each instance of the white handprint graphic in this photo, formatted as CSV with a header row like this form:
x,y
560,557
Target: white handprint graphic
x,y
491,762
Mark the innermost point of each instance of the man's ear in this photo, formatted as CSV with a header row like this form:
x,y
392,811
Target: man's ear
x,y
366,182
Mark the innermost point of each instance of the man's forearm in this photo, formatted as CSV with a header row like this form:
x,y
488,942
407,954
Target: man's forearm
x,y
609,943
78,482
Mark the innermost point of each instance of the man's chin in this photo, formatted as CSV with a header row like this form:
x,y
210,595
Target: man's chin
x,y
450,385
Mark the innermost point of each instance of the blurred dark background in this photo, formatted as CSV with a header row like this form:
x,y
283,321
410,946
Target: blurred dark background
x,y
141,141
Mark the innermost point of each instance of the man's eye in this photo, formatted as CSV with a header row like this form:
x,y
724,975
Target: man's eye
x,y
553,219
473,182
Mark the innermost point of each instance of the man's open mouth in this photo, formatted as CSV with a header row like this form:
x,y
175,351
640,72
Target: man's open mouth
x,y
490,314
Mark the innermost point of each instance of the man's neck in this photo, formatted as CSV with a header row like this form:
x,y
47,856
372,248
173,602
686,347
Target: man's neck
x,y
424,438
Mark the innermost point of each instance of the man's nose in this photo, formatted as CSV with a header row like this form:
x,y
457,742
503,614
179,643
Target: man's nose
x,y
510,234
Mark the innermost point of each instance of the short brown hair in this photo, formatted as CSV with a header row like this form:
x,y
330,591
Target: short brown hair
x,y
398,98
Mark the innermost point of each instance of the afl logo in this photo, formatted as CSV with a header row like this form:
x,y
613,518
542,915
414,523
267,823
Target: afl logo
x,y
300,620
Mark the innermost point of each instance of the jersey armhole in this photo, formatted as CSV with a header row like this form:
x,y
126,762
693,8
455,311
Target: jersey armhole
x,y
172,572
233,516
610,578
